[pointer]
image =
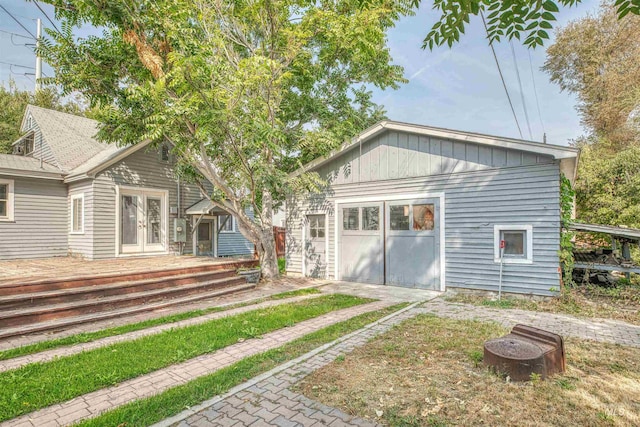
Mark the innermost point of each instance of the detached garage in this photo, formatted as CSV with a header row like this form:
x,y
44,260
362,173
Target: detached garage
x,y
423,207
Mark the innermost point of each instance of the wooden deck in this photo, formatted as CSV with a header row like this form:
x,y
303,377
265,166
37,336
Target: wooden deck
x,y
29,270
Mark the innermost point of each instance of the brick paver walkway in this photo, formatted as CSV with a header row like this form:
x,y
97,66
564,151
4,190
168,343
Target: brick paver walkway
x,y
91,404
606,330
47,355
267,399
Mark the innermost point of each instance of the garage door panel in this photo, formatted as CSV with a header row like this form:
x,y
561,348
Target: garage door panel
x,y
361,243
412,261
362,259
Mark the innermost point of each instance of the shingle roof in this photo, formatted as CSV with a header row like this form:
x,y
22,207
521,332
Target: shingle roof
x,y
70,137
11,162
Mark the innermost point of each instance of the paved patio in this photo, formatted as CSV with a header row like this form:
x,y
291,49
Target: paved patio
x,y
63,267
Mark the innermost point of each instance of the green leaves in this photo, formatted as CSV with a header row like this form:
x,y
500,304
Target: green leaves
x,y
504,18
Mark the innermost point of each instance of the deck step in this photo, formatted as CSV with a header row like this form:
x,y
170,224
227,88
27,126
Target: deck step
x,y
59,296
62,323
21,286
24,316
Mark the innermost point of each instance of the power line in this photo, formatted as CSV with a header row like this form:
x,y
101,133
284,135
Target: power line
x,y
16,19
17,65
501,76
524,104
535,91
45,14
15,34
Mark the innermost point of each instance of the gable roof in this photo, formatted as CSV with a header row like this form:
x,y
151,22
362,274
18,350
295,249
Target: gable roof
x,y
71,138
567,155
14,165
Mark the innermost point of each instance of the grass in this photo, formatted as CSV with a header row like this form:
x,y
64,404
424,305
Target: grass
x,y
151,410
589,301
282,266
428,372
39,385
119,330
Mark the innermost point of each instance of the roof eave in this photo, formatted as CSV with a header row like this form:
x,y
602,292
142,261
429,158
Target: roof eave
x,y
32,174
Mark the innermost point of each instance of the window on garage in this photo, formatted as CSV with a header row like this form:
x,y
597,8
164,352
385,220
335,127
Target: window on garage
x,y
410,217
316,226
371,218
350,219
518,243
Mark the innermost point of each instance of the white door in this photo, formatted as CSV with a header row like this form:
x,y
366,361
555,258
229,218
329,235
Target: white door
x,y
143,222
315,247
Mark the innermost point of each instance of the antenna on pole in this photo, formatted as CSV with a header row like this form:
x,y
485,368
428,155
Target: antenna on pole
x,y
38,58
544,138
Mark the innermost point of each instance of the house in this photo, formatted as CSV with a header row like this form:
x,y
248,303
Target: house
x,y
63,193
424,207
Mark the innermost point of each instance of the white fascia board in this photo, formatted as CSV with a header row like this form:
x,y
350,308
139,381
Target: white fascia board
x,y
31,174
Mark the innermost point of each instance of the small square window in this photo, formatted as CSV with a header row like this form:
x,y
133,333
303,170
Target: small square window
x,y
423,219
225,223
513,243
371,218
316,226
350,219
399,217
77,214
165,153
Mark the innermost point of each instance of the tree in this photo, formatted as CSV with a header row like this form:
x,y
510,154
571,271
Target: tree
x,y
13,102
597,59
526,20
244,90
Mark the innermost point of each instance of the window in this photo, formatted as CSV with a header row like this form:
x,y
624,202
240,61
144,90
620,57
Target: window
x,y
350,219
6,200
371,218
518,244
399,217
77,214
423,218
28,144
29,122
316,226
165,153
225,224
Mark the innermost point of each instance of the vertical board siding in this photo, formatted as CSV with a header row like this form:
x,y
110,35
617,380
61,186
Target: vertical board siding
x,y
40,226
474,203
395,155
82,244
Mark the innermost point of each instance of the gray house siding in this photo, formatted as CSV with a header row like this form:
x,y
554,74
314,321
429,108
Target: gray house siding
x,y
41,149
39,229
477,194
234,243
82,244
144,169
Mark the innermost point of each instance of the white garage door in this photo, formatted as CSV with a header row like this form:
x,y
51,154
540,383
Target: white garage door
x,y
395,243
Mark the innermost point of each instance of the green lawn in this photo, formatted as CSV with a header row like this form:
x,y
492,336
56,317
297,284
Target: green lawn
x,y
39,385
119,330
148,411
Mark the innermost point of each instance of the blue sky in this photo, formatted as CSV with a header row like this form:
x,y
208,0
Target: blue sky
x,y
457,88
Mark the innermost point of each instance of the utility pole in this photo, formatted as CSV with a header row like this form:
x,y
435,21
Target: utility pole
x,y
38,58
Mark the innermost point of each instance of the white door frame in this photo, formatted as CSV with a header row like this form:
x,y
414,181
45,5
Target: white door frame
x,y
214,235
142,193
326,239
388,198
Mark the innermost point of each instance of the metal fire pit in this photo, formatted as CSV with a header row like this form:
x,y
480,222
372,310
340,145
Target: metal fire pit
x,y
525,351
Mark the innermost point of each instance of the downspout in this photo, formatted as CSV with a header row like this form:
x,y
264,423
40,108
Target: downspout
x,y
181,244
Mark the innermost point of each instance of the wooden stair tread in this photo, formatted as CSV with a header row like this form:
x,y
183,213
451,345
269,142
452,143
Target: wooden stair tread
x,y
94,317
5,314
96,288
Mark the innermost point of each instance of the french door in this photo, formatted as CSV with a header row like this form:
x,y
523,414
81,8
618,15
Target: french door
x,y
143,221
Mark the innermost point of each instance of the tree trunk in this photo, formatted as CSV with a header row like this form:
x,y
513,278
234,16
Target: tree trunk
x,y
267,245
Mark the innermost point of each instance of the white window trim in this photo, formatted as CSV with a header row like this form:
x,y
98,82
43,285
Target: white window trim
x,y
233,226
74,198
10,201
527,228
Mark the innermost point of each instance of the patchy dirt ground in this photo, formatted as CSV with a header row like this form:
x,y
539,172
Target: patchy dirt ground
x,y
428,372
621,303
